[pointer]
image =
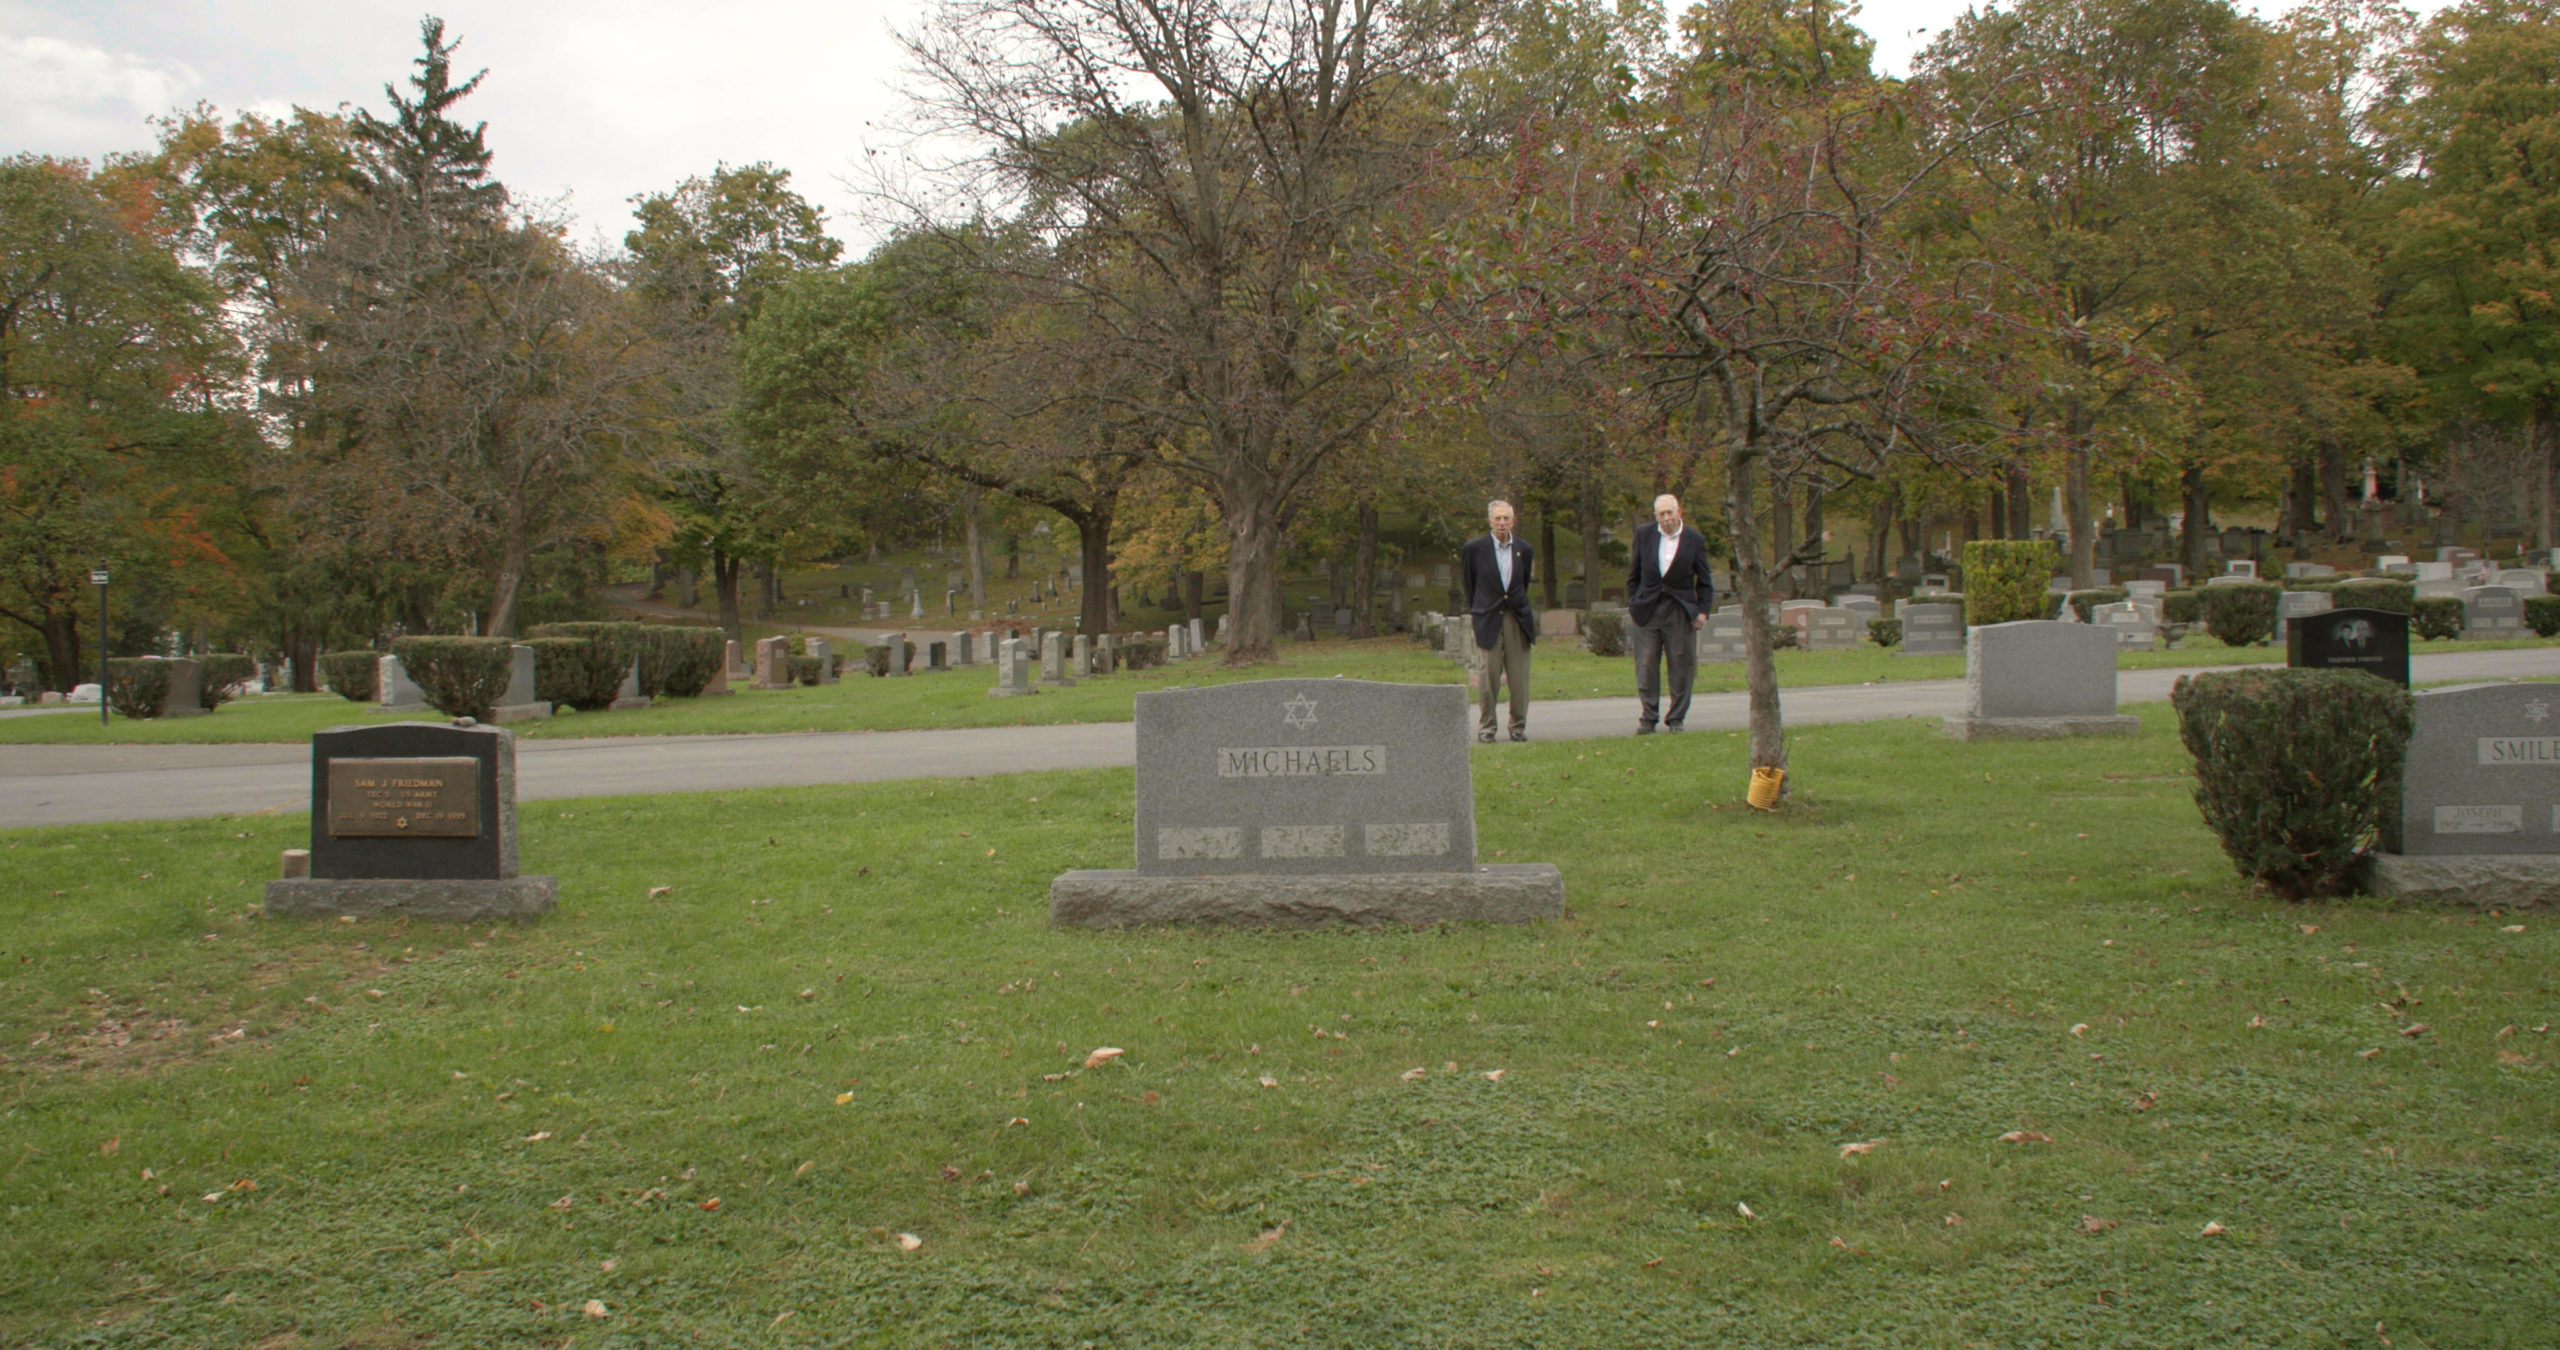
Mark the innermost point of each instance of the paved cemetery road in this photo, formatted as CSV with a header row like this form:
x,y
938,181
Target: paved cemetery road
x,y
83,784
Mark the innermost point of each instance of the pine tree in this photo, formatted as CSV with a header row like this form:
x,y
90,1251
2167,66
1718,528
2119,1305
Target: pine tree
x,y
422,156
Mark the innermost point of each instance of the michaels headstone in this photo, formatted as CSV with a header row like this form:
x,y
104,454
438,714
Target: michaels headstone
x,y
2034,679
2375,641
1305,803
2479,818
416,819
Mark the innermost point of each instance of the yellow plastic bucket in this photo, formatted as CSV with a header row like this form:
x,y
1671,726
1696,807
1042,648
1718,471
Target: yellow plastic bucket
x,y
1765,783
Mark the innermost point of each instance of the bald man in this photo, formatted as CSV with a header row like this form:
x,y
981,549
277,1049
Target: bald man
x,y
1669,593
1493,576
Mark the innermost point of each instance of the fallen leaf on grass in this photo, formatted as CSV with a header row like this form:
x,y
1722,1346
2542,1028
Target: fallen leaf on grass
x,y
2025,1137
844,1099
565,1201
2307,929
1262,1242
1955,1221
1268,1081
656,891
1017,1120
909,1242
2512,928
110,1148
1852,1150
2213,1230
711,1204
2514,1060
1493,1075
950,1173
595,1308
2257,1020
1103,1056
537,1136
1839,1242
804,1169
2414,1029
2091,1223
1744,1209
2368,1054
1413,1073
2146,1101
2079,1028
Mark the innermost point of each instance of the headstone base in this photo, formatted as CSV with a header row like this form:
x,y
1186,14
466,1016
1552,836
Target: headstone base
x,y
1499,893
2040,728
518,712
1001,692
443,901
2502,880
633,704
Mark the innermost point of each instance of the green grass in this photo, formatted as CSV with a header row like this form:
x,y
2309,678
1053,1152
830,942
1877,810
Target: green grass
x,y
460,1136
959,698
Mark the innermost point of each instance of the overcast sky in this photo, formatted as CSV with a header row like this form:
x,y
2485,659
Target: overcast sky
x,y
587,102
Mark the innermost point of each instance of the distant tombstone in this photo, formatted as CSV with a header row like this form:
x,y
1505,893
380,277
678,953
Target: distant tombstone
x,y
1866,608
417,820
1933,583
2034,679
1441,575
2133,625
937,654
735,661
2230,579
1832,630
1304,803
1172,644
1931,630
1013,669
819,648
899,659
628,697
1197,643
773,663
85,693
184,694
2235,543
1414,581
2522,580
1559,623
2479,819
1083,656
2440,586
2308,571
2057,586
1342,623
2140,588
518,704
2241,567
1053,662
1907,570
2171,575
2492,613
2294,605
1721,638
2375,641
964,649
394,691
2392,560
1576,595
2432,571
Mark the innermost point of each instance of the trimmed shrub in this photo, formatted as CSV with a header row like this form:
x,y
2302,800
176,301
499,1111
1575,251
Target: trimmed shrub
x,y
1604,632
875,659
2181,607
2004,579
353,675
1886,632
225,674
576,672
459,676
617,644
805,668
2241,614
2436,616
680,660
2400,597
2297,770
1142,653
2542,614
136,688
2083,601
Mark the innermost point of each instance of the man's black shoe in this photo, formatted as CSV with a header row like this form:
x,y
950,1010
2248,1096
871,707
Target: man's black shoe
x,y
1519,735
1485,736
1644,728
1673,726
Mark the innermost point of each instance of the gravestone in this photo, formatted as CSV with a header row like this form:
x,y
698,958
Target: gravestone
x,y
1305,803
2170,575
1013,670
899,657
184,696
2445,586
1173,645
2308,571
2492,613
2241,567
2479,819
734,662
518,704
1931,630
417,820
2034,679
2432,571
1832,630
628,697
2294,605
1083,656
2390,560
2134,626
819,648
393,689
1198,642
1721,638
719,682
2375,641
1559,623
937,655
2229,579
2522,580
773,663
1053,662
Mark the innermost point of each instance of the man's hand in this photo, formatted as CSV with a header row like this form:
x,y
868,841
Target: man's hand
x,y
1697,621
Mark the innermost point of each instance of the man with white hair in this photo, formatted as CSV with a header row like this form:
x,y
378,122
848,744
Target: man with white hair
x,y
1493,578
1669,592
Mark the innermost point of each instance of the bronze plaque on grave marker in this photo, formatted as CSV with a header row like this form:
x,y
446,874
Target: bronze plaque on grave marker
x,y
404,796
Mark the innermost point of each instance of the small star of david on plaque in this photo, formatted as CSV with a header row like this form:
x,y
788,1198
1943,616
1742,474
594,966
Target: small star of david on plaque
x,y
2536,711
1302,711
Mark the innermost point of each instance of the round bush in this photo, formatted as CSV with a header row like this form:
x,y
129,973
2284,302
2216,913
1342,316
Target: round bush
x,y
576,672
2241,614
353,676
2436,616
225,675
2542,614
459,676
2181,607
2083,601
1886,632
2399,597
136,688
2005,579
1604,632
680,660
2296,770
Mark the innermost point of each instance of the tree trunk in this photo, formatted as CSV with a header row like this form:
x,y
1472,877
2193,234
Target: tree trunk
x,y
61,632
2021,507
1364,573
1880,536
503,590
1751,588
724,586
1546,550
2199,505
2305,520
1589,517
1253,571
2341,523
1782,537
2546,432
1093,608
688,588
976,542
1013,557
1813,527
2075,499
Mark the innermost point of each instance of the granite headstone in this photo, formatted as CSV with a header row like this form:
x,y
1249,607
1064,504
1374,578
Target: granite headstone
x,y
415,819
2375,641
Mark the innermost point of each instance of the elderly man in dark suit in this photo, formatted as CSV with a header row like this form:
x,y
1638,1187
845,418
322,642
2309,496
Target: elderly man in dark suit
x,y
1493,576
1669,592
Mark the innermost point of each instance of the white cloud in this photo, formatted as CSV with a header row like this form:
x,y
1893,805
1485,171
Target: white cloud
x,y
70,98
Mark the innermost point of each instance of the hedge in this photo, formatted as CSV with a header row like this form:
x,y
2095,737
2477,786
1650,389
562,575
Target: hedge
x,y
1886,632
2542,613
805,668
137,688
2005,579
680,660
2241,614
458,676
2436,616
1604,632
353,676
1142,653
225,674
875,659
2399,597
2297,771
2181,607
2083,601
577,672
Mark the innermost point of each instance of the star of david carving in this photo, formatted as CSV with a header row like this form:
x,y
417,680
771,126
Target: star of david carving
x,y
1301,711
2536,711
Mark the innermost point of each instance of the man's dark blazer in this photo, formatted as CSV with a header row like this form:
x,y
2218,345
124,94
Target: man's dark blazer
x,y
1689,584
1480,583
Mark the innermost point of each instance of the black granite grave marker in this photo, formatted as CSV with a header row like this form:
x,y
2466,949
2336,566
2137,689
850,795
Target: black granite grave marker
x,y
2375,641
416,818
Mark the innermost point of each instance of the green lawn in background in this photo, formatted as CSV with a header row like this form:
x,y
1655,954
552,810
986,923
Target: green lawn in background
x,y
844,1019
1560,670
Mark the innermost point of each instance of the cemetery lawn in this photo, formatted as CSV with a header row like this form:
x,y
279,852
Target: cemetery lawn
x,y
1752,1091
959,698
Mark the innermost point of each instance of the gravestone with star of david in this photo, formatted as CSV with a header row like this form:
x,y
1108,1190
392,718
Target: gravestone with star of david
x,y
2479,818
1300,803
